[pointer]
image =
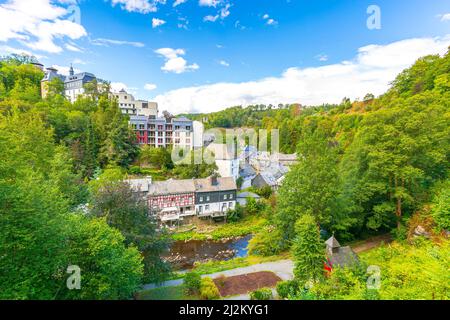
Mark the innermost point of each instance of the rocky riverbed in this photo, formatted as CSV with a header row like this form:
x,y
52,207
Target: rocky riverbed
x,y
183,254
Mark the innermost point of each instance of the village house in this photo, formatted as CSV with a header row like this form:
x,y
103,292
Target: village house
x,y
244,196
172,200
226,159
214,196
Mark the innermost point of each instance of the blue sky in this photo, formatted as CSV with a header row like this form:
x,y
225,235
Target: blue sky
x,y
204,55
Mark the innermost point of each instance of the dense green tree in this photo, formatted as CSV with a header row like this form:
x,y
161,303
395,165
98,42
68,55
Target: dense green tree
x,y
310,186
308,251
128,212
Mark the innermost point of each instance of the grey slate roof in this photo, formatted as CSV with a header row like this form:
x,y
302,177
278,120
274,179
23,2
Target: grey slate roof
x,y
332,242
171,187
248,195
223,184
344,257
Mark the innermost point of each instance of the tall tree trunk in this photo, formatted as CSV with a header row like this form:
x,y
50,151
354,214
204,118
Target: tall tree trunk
x,y
398,212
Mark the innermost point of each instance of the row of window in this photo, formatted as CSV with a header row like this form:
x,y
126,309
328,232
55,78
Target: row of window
x,y
225,206
225,197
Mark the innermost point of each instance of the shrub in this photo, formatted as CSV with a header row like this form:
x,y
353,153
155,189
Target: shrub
x,y
287,288
268,242
208,289
236,214
441,207
192,281
261,294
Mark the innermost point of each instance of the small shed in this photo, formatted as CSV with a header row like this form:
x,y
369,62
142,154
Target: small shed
x,y
338,255
243,196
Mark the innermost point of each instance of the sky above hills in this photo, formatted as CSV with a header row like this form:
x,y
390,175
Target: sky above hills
x,y
206,55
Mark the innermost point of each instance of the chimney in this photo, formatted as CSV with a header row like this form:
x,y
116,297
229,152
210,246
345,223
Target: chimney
x,y
148,180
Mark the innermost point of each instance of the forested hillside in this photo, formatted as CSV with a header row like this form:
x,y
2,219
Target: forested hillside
x,y
56,156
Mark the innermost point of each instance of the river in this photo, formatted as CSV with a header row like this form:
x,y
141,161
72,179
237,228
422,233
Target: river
x,y
183,254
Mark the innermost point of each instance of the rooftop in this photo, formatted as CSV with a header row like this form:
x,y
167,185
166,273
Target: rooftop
x,y
172,186
221,184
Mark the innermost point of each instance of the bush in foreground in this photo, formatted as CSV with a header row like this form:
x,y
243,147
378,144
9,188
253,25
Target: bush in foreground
x,y
191,284
208,289
261,294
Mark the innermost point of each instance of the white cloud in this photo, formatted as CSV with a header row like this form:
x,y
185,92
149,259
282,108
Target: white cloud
x,y
222,13
73,47
150,86
371,70
174,63
211,18
157,22
178,2
209,3
117,86
36,24
322,57
269,21
445,17
107,42
141,6
224,63
79,61
64,70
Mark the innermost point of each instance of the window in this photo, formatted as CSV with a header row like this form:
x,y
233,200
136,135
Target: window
x,y
188,127
230,205
188,140
177,127
201,199
207,198
177,134
141,126
207,207
224,197
200,208
231,196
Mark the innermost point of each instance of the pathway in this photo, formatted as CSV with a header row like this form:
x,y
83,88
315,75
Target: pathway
x,y
282,268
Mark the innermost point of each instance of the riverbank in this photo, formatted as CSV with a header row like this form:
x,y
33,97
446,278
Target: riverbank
x,y
219,231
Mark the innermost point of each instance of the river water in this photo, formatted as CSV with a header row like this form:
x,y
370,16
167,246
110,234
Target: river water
x,y
183,254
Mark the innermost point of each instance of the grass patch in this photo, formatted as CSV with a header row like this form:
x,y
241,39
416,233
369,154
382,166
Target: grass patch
x,y
248,225
165,293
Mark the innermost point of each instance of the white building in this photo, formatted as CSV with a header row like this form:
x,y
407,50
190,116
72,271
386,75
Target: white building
x,y
198,134
129,105
214,196
226,159
73,83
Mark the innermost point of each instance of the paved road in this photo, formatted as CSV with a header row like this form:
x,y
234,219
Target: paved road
x,y
282,268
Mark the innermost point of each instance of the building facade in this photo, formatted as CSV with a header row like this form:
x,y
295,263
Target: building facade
x,y
226,159
163,132
176,200
129,105
214,196
73,83
172,200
